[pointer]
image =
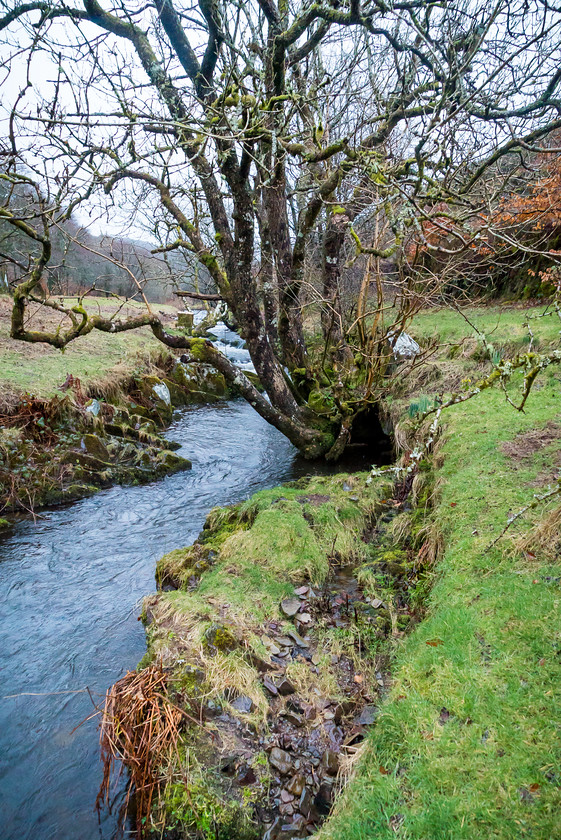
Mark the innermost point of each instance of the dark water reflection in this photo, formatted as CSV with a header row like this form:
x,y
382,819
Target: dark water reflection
x,y
70,586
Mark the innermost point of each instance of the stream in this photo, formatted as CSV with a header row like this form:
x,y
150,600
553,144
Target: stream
x,y
71,583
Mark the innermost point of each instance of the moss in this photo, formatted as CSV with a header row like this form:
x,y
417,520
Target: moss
x,y
218,637
4,523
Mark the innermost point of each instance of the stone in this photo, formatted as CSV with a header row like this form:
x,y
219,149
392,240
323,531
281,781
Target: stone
x,y
243,703
305,802
219,637
324,798
286,796
367,717
290,606
281,760
297,638
172,462
96,447
284,641
330,762
270,686
285,687
296,785
93,407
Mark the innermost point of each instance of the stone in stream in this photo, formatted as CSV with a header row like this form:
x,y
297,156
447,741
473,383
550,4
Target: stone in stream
x,y
290,606
281,760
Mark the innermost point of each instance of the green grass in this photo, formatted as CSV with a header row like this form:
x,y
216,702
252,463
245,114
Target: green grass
x,y
41,370
488,651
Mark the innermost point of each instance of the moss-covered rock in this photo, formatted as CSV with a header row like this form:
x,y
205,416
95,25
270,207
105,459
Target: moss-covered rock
x,y
218,637
172,462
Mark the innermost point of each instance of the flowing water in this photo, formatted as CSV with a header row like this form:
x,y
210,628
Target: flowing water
x,y
70,585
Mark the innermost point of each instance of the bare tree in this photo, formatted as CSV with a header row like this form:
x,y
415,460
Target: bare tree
x,y
253,134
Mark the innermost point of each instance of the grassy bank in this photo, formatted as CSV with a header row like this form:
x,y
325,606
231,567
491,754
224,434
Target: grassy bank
x,y
463,738
97,360
468,743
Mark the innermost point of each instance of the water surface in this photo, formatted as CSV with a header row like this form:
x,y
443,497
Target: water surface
x,y
70,587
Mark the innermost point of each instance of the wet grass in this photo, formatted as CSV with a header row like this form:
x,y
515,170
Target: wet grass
x,y
468,743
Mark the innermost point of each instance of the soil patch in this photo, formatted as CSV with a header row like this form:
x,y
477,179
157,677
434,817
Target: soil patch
x,y
523,446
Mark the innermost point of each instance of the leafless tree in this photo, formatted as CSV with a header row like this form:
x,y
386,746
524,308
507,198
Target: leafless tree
x,y
255,134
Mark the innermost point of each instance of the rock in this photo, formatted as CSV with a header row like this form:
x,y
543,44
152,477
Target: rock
x,y
293,829
286,796
284,641
285,687
367,717
219,637
162,393
96,447
305,618
273,832
290,606
324,798
302,590
330,762
93,407
172,462
243,703
297,638
305,802
281,760
4,523
246,776
294,718
270,686
296,785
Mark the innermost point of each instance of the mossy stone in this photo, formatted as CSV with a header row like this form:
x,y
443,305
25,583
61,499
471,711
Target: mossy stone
x,y
172,462
218,637
96,447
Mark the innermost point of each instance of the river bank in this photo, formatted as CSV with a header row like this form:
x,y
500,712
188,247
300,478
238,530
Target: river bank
x,y
465,698
67,436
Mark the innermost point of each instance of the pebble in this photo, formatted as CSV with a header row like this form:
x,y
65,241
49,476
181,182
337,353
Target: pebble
x,y
270,686
290,606
285,687
367,717
330,762
242,704
296,785
286,796
281,760
298,639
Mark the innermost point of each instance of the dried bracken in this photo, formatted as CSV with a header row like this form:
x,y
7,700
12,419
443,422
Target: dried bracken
x,y
139,727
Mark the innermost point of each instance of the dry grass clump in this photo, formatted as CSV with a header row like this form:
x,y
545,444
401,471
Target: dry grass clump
x,y
544,539
140,727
